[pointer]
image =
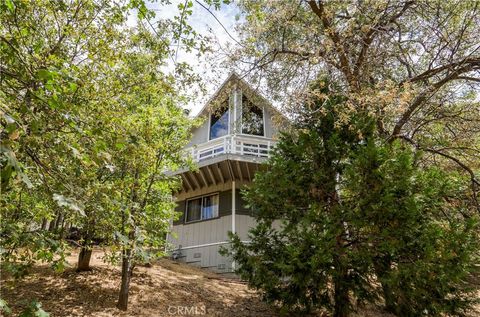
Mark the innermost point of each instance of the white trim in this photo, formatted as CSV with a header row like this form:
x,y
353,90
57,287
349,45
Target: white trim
x,y
209,125
205,245
264,122
235,76
233,214
240,110
254,136
228,145
229,116
235,106
202,245
233,206
240,118
216,93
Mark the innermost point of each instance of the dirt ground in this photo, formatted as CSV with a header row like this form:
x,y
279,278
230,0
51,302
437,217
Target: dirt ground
x,y
165,289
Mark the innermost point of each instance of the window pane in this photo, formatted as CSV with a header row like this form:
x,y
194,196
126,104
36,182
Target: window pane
x,y
194,208
252,118
210,207
219,123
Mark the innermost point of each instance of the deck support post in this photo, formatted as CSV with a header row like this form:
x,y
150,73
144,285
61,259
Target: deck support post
x,y
233,215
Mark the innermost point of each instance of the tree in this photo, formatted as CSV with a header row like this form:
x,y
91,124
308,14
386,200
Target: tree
x,y
146,135
408,223
76,80
338,206
49,52
154,137
414,64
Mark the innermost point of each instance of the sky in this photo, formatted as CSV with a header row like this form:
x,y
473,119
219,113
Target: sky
x,y
204,23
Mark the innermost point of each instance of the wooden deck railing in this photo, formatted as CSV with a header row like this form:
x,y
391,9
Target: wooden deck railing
x,y
232,144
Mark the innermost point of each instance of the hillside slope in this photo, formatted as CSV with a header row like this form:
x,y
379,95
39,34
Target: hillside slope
x,y
165,289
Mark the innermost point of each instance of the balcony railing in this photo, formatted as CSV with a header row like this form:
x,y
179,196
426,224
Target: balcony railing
x,y
232,144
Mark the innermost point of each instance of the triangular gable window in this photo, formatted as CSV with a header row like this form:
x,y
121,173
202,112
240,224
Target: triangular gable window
x,y
219,122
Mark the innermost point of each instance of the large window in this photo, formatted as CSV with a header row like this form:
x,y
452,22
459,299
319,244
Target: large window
x,y
202,208
252,118
219,122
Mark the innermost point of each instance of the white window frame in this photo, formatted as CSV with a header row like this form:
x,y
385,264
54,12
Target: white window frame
x,y
201,208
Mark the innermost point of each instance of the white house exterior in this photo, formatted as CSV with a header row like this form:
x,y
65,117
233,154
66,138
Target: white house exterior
x,y
237,135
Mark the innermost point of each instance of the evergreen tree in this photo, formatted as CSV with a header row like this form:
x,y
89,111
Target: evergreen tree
x,y
338,211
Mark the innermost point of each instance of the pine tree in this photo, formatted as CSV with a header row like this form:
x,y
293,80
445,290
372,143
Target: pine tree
x,y
339,211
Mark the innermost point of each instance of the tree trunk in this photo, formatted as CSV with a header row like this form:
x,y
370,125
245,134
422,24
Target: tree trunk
x,y
382,266
53,222
58,221
44,224
84,259
341,298
127,267
122,303
51,225
64,229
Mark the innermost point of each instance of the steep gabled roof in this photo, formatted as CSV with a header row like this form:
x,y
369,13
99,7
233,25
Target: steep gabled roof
x,y
227,86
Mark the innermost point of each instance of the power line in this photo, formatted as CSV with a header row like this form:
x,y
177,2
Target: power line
x,y
224,28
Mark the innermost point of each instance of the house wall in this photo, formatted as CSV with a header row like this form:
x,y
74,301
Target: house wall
x,y
198,243
188,239
271,130
200,134
193,241
206,238
202,232
207,257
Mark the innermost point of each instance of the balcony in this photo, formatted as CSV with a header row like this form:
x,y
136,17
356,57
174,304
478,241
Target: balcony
x,y
222,161
248,146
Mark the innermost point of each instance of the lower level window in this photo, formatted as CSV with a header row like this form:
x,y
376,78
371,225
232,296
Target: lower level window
x,y
202,208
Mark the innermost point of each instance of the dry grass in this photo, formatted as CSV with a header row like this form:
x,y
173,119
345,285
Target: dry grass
x,y
153,290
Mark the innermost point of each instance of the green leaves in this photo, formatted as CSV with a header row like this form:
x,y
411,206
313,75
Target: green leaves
x,y
334,210
10,5
70,203
11,166
46,75
143,11
34,310
73,87
124,241
87,118
4,307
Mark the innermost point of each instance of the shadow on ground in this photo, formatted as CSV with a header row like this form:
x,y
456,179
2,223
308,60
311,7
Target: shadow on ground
x,y
165,289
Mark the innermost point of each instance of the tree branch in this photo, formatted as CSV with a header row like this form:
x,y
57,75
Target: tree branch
x,y
426,94
319,11
475,183
369,37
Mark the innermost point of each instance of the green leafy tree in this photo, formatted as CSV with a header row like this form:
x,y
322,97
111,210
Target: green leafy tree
x,y
146,137
53,54
338,209
84,97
